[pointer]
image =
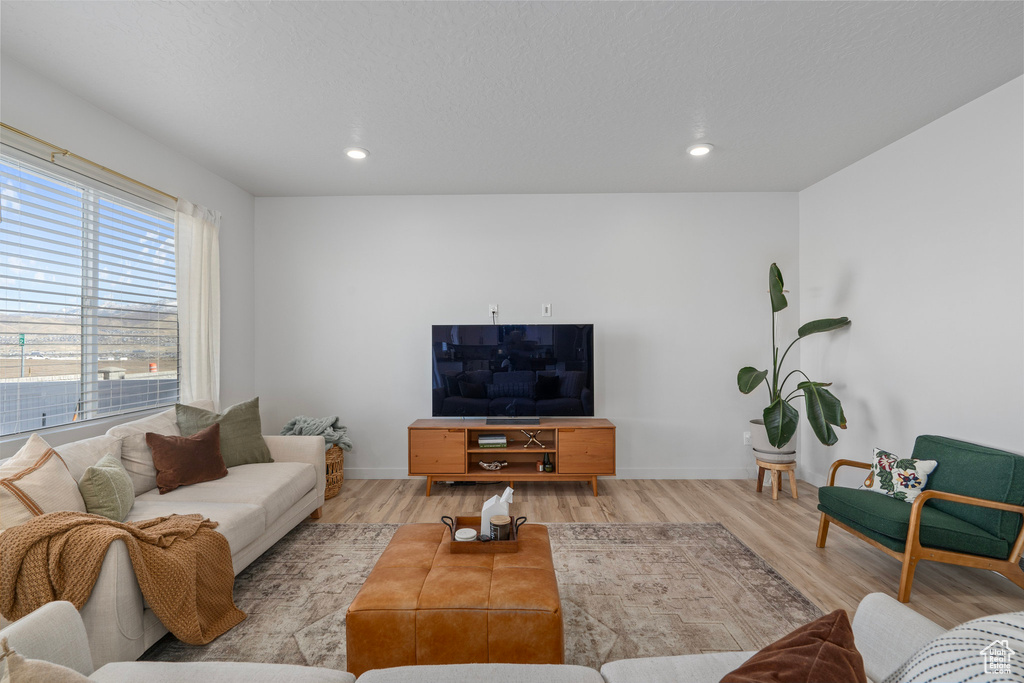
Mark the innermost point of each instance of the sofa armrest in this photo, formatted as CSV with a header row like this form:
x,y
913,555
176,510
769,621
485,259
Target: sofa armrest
x,y
55,633
311,449
888,633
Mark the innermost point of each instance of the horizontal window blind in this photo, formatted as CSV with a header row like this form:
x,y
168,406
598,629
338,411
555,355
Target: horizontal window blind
x,y
87,290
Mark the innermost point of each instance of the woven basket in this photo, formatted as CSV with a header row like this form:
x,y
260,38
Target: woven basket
x,y
335,474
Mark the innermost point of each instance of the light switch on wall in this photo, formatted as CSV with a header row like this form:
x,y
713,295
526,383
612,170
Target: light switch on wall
x,y
545,310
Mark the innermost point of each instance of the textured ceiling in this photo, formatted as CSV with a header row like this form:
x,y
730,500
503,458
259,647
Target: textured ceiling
x,y
511,97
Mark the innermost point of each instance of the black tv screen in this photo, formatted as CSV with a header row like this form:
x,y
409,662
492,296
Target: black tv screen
x,y
513,370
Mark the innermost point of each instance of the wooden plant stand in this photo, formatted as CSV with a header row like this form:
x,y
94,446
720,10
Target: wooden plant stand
x,y
776,469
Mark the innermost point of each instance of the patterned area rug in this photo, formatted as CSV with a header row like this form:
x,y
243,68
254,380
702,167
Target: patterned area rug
x,y
627,590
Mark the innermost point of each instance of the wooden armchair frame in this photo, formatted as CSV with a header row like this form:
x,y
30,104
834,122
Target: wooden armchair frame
x,y
914,551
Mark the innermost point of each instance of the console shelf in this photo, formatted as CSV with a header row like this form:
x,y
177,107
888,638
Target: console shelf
x,y
446,449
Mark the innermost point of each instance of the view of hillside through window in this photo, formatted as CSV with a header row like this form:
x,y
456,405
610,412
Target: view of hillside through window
x,y
88,309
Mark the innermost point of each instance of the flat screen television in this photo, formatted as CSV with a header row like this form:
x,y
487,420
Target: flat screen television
x,y
513,372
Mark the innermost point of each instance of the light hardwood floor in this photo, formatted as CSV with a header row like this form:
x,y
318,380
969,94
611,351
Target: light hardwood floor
x,y
782,532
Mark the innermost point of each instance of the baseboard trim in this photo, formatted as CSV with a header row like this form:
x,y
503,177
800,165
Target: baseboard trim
x,y
623,473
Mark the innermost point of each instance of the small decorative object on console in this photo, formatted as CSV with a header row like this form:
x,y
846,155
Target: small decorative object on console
x,y
495,465
532,439
548,465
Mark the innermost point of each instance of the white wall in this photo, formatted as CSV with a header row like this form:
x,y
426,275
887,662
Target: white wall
x,y
922,245
37,106
676,285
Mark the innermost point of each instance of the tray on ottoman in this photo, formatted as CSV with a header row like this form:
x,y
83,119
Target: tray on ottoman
x,y
422,604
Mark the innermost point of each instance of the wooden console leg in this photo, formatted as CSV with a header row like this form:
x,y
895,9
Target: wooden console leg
x,y
430,480
318,513
593,482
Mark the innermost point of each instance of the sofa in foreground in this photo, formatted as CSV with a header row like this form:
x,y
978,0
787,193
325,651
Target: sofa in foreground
x,y
255,505
896,643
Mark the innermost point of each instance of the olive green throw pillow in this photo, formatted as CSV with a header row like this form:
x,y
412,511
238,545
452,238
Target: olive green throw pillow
x,y
241,434
107,489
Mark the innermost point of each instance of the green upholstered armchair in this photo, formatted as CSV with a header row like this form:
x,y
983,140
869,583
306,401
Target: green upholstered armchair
x,y
969,513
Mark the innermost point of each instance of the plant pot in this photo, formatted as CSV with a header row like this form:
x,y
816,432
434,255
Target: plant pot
x,y
766,452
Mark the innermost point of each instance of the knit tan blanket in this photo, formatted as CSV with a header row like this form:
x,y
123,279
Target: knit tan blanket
x,y
182,564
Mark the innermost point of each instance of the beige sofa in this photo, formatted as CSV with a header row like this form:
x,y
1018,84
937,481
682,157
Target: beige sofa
x,y
255,506
889,635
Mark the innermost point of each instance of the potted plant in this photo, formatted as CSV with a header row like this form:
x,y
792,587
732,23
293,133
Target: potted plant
x,y
822,408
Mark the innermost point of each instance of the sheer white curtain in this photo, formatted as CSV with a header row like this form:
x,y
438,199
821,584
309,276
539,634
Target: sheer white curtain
x,y
197,255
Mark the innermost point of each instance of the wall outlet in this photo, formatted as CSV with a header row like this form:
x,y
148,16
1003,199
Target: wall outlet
x,y
545,310
492,310
746,438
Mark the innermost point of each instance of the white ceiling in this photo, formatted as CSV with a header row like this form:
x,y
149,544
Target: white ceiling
x,y
513,97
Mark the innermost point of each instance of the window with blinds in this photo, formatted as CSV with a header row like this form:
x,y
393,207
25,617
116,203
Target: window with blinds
x,y
89,326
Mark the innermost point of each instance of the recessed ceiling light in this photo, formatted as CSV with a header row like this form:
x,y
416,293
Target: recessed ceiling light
x,y
700,149
356,153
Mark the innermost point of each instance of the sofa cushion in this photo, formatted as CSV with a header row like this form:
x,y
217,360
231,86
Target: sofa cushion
x,y
107,489
512,407
978,471
572,383
679,669
492,673
461,406
891,518
510,389
241,432
135,454
472,390
560,406
822,651
35,483
977,650
239,523
217,672
22,670
900,478
187,460
81,455
547,387
274,486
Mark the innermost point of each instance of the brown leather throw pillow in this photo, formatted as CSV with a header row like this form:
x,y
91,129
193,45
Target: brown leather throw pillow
x,y
820,652
184,460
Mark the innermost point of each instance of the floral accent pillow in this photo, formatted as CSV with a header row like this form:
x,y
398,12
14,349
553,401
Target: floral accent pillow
x,y
900,478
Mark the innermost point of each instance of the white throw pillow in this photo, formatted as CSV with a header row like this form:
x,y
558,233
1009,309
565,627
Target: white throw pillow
x,y
982,650
81,455
42,483
135,454
896,477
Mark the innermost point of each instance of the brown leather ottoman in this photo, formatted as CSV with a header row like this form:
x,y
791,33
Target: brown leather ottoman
x,y
423,605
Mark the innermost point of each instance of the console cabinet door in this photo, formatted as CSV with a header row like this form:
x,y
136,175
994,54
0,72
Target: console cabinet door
x,y
586,451
437,451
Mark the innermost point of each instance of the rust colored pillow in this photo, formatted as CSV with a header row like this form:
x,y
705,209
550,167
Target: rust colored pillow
x,y
184,460
819,652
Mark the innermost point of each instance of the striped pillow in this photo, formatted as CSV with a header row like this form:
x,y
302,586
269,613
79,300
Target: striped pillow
x,y
986,649
41,484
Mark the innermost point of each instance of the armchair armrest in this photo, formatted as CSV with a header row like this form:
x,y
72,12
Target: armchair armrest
x,y
845,463
915,515
311,449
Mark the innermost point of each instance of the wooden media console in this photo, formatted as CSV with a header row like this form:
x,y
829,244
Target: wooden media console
x,y
446,449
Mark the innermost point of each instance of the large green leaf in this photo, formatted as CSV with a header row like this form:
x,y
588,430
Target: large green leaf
x,y
823,325
823,411
749,378
775,289
780,421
